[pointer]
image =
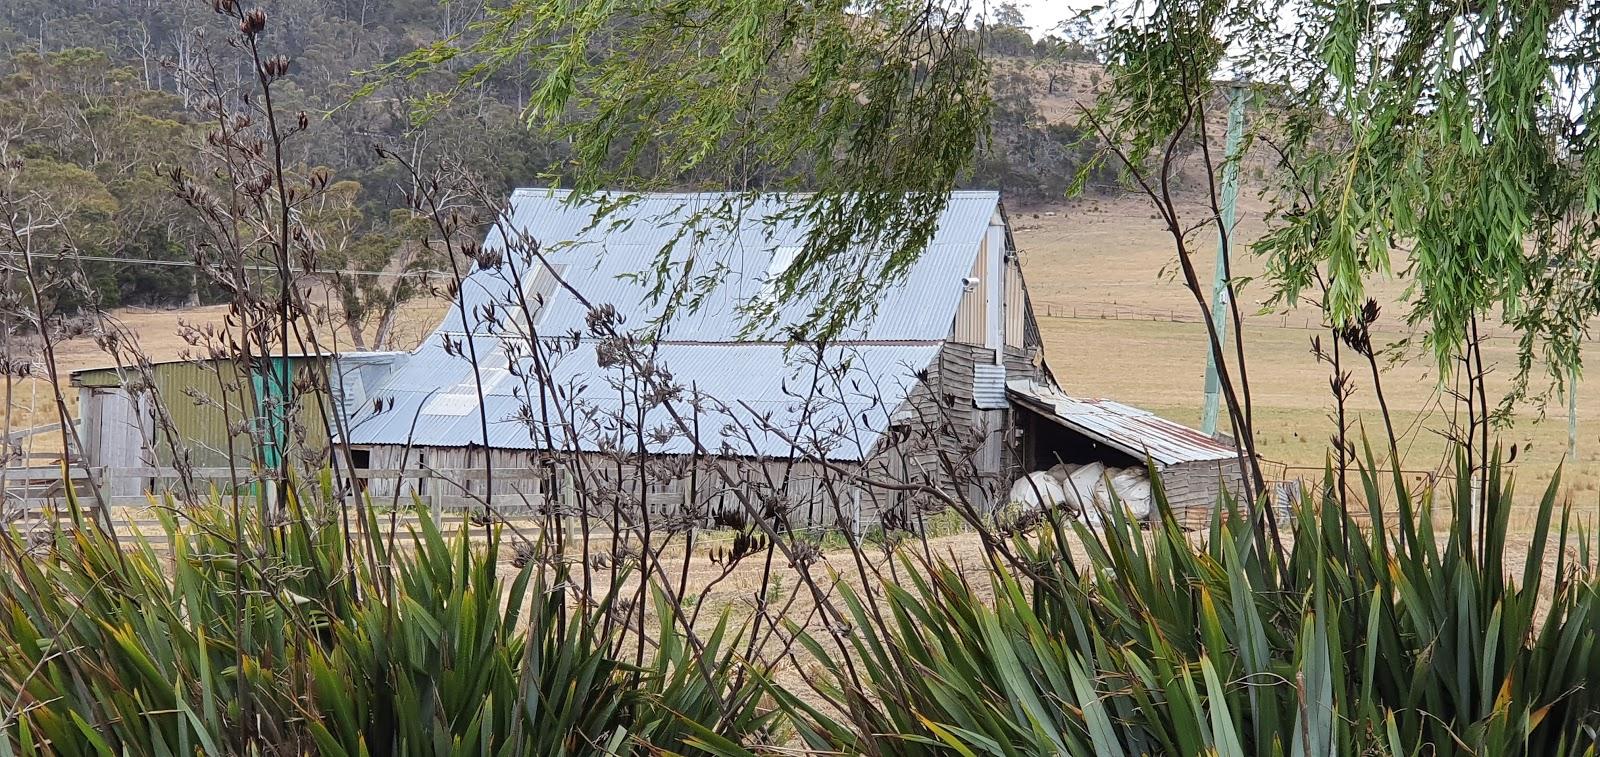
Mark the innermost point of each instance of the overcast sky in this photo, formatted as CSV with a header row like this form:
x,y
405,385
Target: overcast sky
x,y
1045,14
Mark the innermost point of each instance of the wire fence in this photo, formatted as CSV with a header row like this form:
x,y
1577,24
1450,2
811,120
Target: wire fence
x,y
1116,312
1111,311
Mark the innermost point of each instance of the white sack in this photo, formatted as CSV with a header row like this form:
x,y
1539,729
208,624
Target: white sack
x,y
1063,471
1081,485
1133,488
1102,495
1093,518
1036,491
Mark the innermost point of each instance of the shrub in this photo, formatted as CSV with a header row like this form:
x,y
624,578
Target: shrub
x,y
1359,641
304,637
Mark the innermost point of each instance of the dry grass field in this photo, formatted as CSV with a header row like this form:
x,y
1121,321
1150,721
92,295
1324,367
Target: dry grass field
x,y
1094,269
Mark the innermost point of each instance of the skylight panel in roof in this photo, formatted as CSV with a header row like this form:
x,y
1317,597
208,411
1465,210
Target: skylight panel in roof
x,y
782,259
462,398
540,289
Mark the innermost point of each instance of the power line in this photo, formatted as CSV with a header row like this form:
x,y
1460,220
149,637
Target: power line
x,y
272,269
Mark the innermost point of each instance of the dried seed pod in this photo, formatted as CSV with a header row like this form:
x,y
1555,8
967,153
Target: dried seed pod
x,y
523,554
805,553
253,22
489,259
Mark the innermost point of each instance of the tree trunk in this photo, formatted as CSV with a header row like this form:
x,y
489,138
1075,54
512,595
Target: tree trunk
x,y
353,325
385,334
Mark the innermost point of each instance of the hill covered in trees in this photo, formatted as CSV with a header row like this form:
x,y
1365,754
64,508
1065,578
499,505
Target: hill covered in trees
x,y
99,99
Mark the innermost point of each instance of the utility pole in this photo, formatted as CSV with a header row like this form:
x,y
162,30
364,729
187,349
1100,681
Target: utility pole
x,y
1572,416
1237,95
1572,283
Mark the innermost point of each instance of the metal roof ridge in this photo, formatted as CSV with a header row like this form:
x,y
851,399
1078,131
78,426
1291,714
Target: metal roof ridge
x,y
130,367
568,192
714,342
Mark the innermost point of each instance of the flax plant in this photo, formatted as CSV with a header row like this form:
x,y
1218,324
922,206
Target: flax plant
x,y
142,653
1136,642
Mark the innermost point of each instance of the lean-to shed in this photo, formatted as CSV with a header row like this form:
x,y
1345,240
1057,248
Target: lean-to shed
x,y
215,413
1058,428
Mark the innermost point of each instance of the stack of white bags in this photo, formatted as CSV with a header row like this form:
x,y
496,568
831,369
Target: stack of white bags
x,y
1085,491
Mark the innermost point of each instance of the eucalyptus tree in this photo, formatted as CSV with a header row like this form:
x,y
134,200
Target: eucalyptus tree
x,y
1440,143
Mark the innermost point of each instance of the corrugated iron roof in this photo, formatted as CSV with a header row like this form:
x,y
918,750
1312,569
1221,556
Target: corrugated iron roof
x,y
759,388
1130,429
730,240
371,356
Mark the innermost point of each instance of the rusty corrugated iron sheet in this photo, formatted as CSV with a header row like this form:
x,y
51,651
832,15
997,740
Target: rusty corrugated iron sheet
x,y
1130,429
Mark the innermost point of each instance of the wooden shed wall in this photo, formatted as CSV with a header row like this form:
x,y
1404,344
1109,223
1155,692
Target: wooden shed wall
x,y
940,415
421,460
116,431
812,496
1023,364
1193,488
951,381
208,405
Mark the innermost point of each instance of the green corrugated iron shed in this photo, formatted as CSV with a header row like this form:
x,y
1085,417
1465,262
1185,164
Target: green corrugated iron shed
x,y
205,399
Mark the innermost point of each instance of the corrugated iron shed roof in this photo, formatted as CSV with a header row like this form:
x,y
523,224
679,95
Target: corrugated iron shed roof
x,y
1134,431
759,388
731,240
111,375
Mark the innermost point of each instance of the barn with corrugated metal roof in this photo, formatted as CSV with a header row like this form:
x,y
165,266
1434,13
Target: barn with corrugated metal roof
x,y
914,387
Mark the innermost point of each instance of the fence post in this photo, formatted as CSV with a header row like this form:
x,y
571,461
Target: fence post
x,y
686,508
568,499
855,518
435,496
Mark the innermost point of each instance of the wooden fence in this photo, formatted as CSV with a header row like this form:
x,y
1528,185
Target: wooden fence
x,y
518,493
29,490
33,496
1297,482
